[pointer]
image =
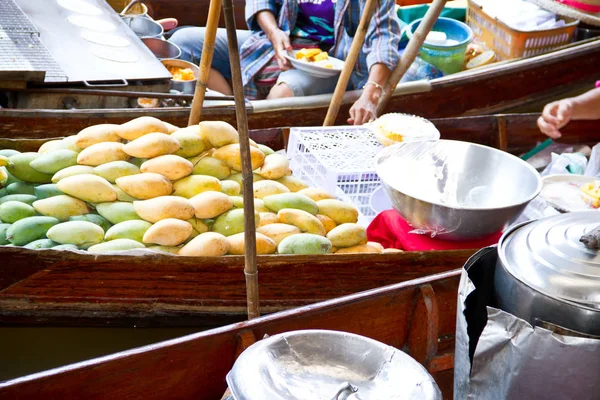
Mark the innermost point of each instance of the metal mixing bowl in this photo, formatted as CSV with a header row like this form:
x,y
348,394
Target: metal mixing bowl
x,y
187,87
143,27
161,48
456,190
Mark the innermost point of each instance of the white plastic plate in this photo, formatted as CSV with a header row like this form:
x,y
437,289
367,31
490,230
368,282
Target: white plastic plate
x,y
315,68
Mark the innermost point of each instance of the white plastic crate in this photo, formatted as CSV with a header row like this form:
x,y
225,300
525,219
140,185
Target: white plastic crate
x,y
338,159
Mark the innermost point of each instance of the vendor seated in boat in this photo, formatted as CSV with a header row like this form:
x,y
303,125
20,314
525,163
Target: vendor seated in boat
x,y
558,114
279,26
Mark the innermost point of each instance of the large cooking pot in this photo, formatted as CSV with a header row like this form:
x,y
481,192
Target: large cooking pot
x,y
545,274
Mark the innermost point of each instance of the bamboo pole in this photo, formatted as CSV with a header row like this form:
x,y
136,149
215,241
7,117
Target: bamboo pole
x,y
250,268
357,43
411,52
208,49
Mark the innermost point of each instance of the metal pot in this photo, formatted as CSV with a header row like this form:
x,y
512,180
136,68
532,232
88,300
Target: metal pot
x,y
162,48
546,275
187,87
144,27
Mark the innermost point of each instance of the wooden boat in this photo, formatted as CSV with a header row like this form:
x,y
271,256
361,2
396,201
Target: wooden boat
x,y
417,316
57,288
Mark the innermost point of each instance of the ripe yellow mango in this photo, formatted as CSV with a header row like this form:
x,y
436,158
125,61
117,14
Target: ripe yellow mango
x,y
164,249
304,243
168,232
230,188
275,166
191,142
218,133
266,188
316,194
88,187
170,166
280,201
170,127
392,251
209,244
117,211
211,204
132,229
79,233
278,231
347,235
145,186
19,166
67,143
230,154
264,244
361,248
164,207
141,126
303,220
61,207
98,134
114,246
53,162
122,196
267,218
49,146
70,171
193,185
294,184
327,222
338,211
232,222
207,165
152,145
102,153
116,169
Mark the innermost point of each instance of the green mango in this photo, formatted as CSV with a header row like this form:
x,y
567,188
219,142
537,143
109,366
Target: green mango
x,y
191,143
23,198
51,163
41,244
266,149
280,201
22,169
21,188
65,247
117,211
165,249
116,245
94,219
210,166
232,222
46,191
79,233
122,196
12,211
137,161
3,229
116,169
9,152
304,243
27,230
3,192
133,229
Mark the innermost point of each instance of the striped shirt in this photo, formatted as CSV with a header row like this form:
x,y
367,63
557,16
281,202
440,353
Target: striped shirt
x,y
381,42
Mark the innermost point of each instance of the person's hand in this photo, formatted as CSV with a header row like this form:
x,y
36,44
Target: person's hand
x,y
281,44
554,117
365,108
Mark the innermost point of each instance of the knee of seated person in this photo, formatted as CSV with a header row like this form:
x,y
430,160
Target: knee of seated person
x,y
280,90
188,37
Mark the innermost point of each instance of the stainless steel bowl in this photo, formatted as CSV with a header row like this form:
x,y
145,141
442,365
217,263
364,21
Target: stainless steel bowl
x,y
320,364
161,48
188,87
143,27
456,190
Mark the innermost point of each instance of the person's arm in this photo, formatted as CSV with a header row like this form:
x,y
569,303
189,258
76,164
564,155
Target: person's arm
x,y
365,108
558,114
280,40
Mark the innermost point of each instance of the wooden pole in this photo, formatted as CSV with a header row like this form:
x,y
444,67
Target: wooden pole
x,y
357,43
208,49
250,269
411,52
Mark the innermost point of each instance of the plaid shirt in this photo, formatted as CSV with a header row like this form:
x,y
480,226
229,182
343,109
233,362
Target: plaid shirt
x,y
381,42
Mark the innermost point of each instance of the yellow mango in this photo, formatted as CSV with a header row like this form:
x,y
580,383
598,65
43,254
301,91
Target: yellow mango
x,y
275,166
170,127
392,251
145,186
164,249
116,169
193,185
122,196
211,204
218,133
237,177
152,145
88,187
170,166
98,134
304,243
163,207
278,231
230,188
114,246
142,126
191,142
199,226
168,232
70,171
294,184
267,218
49,146
207,165
238,201
264,244
230,154
347,235
316,194
61,207
259,206
303,220
327,222
338,211
266,188
102,153
361,248
209,244
67,143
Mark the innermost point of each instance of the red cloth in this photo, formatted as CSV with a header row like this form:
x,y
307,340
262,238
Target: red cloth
x,y
392,231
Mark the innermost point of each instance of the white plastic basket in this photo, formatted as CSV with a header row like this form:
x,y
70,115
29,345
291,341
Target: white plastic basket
x,y
338,159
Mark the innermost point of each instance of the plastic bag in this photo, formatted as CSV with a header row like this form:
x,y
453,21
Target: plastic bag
x,y
421,70
566,163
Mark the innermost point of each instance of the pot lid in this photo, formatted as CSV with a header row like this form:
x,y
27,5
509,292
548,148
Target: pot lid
x,y
547,256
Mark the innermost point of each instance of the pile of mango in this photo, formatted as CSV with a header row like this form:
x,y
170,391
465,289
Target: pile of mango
x,y
147,184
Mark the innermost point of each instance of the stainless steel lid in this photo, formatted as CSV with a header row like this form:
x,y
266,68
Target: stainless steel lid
x,y
547,256
327,365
